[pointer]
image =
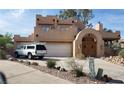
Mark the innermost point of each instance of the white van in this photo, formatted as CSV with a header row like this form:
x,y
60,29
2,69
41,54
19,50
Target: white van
x,y
31,50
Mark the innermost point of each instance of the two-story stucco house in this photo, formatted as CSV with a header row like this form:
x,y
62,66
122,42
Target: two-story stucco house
x,y
65,38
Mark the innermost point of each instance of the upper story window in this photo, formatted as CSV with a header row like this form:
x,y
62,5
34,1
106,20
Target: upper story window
x,y
46,27
63,28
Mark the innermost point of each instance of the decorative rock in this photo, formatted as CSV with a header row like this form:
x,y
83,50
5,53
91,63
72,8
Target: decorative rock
x,y
114,59
12,59
20,60
8,56
58,68
110,57
63,69
34,63
28,63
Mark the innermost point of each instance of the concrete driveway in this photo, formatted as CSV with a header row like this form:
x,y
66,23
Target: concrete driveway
x,y
20,74
113,70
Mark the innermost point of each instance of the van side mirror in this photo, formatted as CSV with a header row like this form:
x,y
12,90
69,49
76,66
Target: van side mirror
x,y
3,79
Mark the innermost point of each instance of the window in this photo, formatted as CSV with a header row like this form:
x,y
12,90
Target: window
x,y
46,27
30,47
40,47
63,28
24,47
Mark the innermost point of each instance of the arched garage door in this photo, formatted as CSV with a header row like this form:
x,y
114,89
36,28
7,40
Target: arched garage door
x,y
59,49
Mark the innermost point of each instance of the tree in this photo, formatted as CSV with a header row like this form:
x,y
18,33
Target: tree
x,y
1,35
107,30
116,47
67,13
8,37
83,15
5,40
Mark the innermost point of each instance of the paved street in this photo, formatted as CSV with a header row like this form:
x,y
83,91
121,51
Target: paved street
x,y
20,74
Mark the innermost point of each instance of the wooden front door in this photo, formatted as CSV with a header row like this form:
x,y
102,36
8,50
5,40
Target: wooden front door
x,y
89,46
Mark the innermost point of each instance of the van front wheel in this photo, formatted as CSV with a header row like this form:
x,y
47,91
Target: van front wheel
x,y
16,55
29,56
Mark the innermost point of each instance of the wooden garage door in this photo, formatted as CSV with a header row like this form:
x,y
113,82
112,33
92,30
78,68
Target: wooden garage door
x,y
59,49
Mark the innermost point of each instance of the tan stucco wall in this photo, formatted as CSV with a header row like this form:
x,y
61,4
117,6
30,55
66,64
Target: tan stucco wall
x,y
110,35
57,21
18,39
77,43
55,35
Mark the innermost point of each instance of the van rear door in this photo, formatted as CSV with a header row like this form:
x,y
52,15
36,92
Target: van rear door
x,y
40,49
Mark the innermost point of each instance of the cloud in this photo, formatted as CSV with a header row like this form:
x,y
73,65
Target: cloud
x,y
18,13
44,12
3,24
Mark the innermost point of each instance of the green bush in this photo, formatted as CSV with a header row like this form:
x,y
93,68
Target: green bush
x,y
121,53
9,45
78,72
2,54
51,64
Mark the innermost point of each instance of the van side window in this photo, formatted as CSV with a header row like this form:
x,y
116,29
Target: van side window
x,y
30,47
21,47
24,47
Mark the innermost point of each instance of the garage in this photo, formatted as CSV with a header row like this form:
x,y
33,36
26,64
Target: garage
x,y
59,49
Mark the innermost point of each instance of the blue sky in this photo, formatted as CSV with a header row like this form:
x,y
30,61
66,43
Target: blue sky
x,y
22,21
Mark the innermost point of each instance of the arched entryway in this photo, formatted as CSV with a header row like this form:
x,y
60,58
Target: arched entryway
x,y
89,45
88,42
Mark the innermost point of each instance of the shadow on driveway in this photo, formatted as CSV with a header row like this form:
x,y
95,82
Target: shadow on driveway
x,y
115,81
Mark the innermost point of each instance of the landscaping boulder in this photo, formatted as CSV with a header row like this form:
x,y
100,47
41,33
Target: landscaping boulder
x,y
12,59
114,59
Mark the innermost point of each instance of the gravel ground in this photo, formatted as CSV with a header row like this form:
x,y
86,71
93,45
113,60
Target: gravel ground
x,y
67,75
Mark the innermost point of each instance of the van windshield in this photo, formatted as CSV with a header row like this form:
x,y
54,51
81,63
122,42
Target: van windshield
x,y
40,47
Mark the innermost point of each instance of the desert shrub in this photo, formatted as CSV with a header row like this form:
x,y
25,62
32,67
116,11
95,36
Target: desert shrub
x,y
71,63
51,63
116,47
78,72
80,56
121,53
76,68
2,54
34,63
